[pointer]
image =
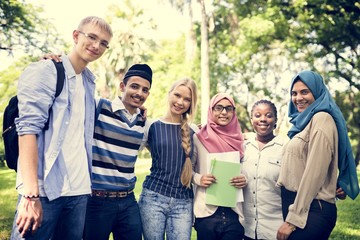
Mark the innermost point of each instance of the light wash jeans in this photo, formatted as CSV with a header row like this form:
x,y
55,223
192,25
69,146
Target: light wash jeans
x,y
63,218
161,214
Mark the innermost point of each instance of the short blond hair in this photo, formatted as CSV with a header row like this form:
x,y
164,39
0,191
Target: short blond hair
x,y
98,22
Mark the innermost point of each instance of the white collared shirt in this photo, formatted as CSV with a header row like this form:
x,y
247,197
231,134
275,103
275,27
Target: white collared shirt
x,y
262,200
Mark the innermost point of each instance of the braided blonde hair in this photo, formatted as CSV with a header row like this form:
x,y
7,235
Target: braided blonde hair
x,y
187,117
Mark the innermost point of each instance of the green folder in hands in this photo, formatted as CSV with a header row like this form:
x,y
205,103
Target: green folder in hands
x,y
221,193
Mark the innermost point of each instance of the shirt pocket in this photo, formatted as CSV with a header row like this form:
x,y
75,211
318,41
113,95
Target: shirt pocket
x,y
275,161
273,169
301,140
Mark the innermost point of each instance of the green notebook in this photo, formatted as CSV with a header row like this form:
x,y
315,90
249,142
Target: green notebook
x,y
222,193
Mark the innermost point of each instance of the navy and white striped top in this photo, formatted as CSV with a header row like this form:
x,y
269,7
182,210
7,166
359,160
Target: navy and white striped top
x,y
116,146
168,157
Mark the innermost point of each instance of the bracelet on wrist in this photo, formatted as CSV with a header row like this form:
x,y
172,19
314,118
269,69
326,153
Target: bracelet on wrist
x,y
31,197
292,227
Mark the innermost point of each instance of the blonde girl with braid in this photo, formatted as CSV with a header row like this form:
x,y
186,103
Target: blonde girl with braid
x,y
167,197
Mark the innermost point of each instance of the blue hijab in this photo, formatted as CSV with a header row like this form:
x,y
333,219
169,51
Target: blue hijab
x,y
347,178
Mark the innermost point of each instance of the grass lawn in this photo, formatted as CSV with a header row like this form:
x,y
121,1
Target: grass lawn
x,y
347,226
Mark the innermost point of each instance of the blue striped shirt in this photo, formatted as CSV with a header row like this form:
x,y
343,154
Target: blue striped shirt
x,y
116,146
168,157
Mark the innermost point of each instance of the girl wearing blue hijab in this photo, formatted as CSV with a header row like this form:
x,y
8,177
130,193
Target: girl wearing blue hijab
x,y
318,145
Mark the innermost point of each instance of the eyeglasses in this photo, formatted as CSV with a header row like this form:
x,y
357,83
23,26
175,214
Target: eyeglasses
x,y
220,108
94,39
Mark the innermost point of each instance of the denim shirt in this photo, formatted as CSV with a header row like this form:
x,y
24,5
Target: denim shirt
x,y
36,93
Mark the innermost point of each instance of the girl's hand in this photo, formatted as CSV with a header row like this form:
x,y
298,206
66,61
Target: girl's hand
x,y
340,194
207,180
238,181
285,231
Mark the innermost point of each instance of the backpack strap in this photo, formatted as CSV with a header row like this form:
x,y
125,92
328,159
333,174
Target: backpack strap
x,y
60,71
60,79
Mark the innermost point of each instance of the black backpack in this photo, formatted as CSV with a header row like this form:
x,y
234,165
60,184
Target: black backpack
x,y
10,136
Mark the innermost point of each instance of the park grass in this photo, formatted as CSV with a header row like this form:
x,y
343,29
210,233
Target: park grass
x,y
8,198
347,226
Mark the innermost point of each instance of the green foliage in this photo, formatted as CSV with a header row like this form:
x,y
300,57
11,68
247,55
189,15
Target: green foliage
x,y
349,102
131,43
256,44
8,88
8,197
22,28
168,65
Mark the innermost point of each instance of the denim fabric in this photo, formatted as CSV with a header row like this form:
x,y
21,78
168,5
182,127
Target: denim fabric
x,y
120,216
223,224
161,214
63,218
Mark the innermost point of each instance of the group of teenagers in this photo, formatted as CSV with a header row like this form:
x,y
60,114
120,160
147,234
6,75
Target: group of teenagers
x,y
76,180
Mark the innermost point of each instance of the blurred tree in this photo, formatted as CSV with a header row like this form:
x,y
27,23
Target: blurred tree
x,y
260,43
204,87
186,7
131,44
169,65
350,100
21,28
8,87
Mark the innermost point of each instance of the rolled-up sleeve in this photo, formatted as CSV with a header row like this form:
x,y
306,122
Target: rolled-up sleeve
x,y
36,93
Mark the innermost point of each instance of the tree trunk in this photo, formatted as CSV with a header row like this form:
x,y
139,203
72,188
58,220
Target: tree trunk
x,y
205,78
190,35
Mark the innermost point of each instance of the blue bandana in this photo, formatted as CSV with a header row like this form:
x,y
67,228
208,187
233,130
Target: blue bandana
x,y
347,178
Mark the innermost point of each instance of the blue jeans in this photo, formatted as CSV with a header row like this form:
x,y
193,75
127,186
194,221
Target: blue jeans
x,y
223,224
161,214
121,216
63,218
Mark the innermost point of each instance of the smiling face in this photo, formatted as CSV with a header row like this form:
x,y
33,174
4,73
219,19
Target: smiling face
x,y
179,101
87,49
301,96
134,93
223,117
263,119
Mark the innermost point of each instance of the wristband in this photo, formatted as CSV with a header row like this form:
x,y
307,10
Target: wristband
x,y
31,196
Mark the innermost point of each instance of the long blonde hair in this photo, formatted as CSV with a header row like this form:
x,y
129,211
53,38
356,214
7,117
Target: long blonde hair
x,y
187,117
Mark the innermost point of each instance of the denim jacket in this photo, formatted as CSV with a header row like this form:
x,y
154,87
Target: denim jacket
x,y
36,93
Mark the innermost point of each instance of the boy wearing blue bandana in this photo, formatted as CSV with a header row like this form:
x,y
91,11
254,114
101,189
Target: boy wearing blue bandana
x,y
318,146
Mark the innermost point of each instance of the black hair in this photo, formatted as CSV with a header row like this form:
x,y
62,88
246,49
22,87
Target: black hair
x,y
264,101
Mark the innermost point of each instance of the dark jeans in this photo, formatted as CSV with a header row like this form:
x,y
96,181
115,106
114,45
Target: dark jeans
x,y
63,218
321,219
223,224
121,216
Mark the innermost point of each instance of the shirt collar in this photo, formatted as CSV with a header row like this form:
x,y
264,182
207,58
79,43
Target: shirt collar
x,y
118,105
